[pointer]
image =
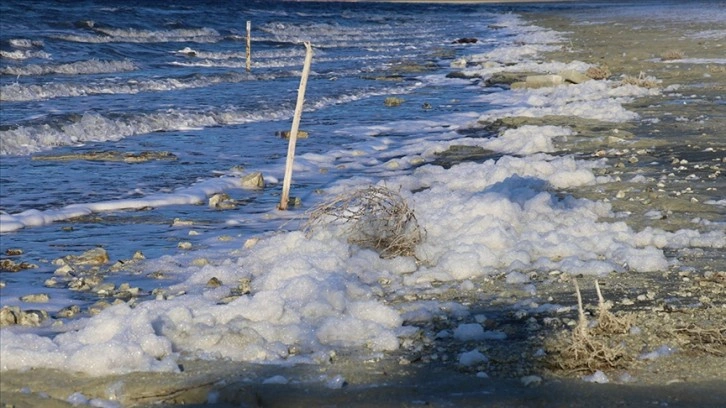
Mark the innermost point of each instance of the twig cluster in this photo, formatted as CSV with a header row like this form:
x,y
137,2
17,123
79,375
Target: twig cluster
x,y
375,217
711,340
587,349
641,80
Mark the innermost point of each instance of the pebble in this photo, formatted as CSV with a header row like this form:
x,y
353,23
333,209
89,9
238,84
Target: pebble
x,y
214,282
69,311
531,380
36,298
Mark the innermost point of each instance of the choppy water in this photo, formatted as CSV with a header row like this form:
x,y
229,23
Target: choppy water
x,y
126,77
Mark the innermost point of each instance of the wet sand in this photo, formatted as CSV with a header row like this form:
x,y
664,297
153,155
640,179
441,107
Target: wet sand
x,y
664,305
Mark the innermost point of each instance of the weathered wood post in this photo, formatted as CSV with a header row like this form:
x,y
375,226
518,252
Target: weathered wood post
x,y
249,45
293,130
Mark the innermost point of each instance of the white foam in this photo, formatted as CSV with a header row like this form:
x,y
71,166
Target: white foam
x,y
194,194
93,66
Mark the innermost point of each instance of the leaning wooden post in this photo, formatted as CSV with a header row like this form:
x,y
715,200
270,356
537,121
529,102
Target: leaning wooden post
x,y
249,45
293,130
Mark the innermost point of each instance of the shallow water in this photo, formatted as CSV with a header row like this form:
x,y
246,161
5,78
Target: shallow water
x,y
107,77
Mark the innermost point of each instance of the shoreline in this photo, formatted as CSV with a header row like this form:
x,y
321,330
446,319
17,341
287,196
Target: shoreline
x,y
679,380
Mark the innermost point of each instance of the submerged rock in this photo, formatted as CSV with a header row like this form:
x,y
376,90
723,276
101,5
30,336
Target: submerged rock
x,y
36,298
393,101
253,180
222,201
285,134
92,257
125,157
8,265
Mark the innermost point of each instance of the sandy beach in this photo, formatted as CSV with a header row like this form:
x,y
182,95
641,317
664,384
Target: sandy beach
x,y
692,376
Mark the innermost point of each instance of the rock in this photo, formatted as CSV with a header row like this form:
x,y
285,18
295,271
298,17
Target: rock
x,y
8,265
531,380
250,242
570,75
200,262
69,311
245,286
253,180
505,78
539,81
104,289
458,63
214,282
85,283
12,315
285,134
113,156
393,101
9,316
222,201
178,222
465,40
35,298
33,317
13,251
460,75
92,257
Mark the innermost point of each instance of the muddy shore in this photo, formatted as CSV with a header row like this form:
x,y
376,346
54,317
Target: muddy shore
x,y
683,309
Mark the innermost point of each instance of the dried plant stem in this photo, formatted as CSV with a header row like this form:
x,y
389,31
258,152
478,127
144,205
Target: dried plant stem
x,y
581,320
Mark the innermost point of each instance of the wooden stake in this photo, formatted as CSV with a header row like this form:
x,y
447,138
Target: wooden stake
x,y
249,45
293,130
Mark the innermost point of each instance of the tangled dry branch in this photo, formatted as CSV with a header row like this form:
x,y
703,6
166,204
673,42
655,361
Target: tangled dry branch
x,y
375,217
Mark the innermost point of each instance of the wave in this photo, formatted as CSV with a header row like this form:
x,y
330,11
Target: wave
x,y
132,35
327,35
24,54
24,43
92,66
99,128
17,92
71,130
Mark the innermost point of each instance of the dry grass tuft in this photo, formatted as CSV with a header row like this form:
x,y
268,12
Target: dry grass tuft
x,y
375,217
671,55
607,322
599,72
641,80
711,340
589,350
